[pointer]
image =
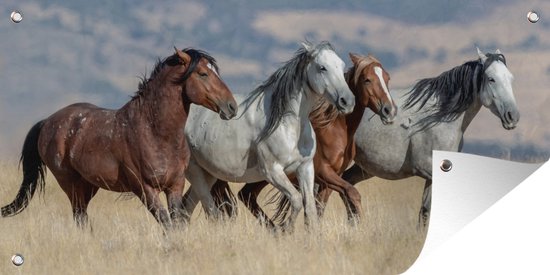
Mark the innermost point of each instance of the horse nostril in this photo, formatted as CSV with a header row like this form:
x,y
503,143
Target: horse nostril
x,y
343,102
509,116
231,108
386,111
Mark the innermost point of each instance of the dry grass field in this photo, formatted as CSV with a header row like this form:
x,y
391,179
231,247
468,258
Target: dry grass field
x,y
126,239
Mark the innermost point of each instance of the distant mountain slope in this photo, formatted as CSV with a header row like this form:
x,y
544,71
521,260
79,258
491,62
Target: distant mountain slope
x,y
527,152
68,51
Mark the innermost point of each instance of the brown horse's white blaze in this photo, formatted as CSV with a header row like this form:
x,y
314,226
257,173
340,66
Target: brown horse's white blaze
x,y
370,71
387,111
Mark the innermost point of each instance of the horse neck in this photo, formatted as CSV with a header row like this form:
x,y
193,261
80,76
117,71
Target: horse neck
x,y
163,111
354,119
302,104
470,114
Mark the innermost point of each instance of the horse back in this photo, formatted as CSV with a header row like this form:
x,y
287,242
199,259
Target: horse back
x,y
78,140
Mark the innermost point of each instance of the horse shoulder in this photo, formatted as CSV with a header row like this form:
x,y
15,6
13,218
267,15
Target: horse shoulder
x,y
219,146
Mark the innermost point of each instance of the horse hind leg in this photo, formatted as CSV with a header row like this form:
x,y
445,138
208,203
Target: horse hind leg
x,y
248,195
424,214
188,203
80,193
224,199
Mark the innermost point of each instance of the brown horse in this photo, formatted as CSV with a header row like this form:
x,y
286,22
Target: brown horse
x,y
139,148
335,142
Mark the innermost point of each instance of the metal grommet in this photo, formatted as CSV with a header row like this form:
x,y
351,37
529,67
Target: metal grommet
x,y
17,259
16,16
533,17
446,165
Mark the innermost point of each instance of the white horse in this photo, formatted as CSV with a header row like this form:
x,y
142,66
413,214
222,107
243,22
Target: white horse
x,y
434,116
273,136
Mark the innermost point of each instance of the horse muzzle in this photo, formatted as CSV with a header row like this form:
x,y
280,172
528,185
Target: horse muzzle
x,y
228,110
387,113
510,119
345,104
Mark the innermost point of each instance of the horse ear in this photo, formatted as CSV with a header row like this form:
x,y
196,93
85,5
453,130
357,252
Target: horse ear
x,y
482,56
307,46
185,58
498,51
355,58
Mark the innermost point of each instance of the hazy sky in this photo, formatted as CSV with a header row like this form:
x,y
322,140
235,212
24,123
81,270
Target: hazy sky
x,y
63,53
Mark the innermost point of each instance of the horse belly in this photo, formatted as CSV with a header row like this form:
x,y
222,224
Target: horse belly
x,y
101,170
238,168
249,175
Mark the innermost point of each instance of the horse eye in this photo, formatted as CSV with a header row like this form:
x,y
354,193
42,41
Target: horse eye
x,y
203,74
491,79
322,68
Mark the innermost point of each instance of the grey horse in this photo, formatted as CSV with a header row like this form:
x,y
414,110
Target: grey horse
x,y
434,115
273,136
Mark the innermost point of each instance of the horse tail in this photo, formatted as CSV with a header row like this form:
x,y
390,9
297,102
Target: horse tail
x,y
282,210
224,199
34,171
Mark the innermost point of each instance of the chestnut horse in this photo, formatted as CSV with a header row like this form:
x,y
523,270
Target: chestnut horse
x,y
139,148
335,142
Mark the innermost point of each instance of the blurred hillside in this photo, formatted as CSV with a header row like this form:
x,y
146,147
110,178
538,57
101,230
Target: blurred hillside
x,y
68,51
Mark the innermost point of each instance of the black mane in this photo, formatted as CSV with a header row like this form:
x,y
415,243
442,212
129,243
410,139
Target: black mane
x,y
284,83
454,91
173,60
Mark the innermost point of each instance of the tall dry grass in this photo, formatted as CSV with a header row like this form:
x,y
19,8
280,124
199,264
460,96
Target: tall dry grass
x,y
126,240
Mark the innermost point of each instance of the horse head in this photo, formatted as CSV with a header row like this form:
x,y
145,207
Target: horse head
x,y
370,86
325,75
496,91
203,85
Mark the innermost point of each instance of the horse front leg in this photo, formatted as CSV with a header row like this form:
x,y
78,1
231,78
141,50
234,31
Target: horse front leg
x,y
150,198
279,179
323,194
355,174
306,178
349,194
175,203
